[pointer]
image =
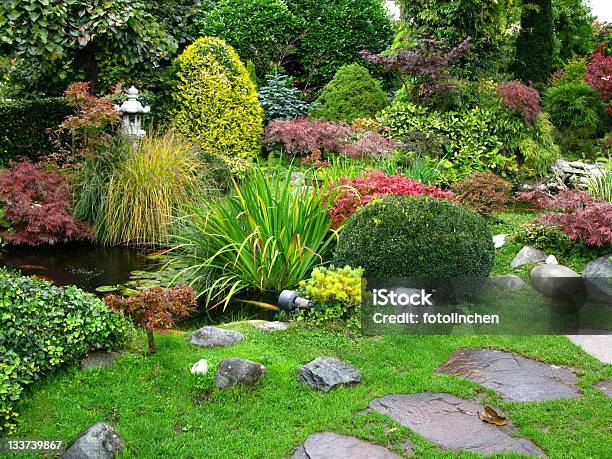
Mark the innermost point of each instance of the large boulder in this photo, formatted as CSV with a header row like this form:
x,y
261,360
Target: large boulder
x,y
234,371
598,279
528,255
324,373
100,441
213,337
555,280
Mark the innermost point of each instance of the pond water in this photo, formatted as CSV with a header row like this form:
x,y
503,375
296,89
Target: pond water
x,y
84,265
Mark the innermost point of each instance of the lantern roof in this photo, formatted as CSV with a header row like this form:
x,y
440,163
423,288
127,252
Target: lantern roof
x,y
132,105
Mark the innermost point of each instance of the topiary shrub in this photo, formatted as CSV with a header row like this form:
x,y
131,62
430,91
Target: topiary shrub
x,y
215,100
351,94
416,237
261,31
24,125
44,327
575,106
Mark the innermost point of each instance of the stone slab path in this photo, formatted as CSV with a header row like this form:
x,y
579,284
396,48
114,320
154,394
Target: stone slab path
x,y
330,445
514,377
451,422
605,386
599,346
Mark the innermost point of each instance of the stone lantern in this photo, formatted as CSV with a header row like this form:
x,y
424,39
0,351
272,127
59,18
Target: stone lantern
x,y
133,114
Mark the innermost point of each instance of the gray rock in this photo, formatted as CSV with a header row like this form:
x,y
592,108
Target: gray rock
x,y
200,367
551,260
325,373
509,282
528,255
272,326
234,371
514,377
100,441
577,164
555,280
98,359
499,240
330,445
598,278
213,336
605,386
452,423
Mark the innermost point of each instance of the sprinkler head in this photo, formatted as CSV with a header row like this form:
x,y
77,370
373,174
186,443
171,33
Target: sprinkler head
x,y
289,300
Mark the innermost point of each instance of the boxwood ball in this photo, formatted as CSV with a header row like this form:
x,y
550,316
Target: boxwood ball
x,y
416,236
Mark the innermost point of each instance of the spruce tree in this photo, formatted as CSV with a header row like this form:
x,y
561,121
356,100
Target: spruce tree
x,y
534,46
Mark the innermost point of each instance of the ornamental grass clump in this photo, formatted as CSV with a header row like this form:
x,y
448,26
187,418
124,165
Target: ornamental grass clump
x,y
132,195
264,237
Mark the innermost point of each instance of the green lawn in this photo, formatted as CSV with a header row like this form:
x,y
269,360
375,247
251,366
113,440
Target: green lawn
x,y
162,411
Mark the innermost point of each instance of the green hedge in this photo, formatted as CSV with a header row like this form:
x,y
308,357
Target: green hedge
x,y
43,327
23,125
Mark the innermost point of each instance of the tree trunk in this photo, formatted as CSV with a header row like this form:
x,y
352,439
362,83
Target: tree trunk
x,y
151,339
86,62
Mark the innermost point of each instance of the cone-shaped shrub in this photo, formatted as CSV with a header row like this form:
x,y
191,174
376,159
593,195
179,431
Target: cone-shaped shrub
x,y
215,100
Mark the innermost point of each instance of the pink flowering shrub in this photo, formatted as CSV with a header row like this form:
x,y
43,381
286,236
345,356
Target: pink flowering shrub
x,y
352,194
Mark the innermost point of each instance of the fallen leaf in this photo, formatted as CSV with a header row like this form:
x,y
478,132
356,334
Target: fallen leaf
x,y
492,417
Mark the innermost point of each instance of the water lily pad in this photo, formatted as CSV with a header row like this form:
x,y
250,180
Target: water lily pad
x,y
130,292
107,288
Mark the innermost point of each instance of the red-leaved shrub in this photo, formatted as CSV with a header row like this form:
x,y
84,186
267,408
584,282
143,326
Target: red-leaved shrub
x,y
580,217
311,138
521,99
303,137
591,224
36,203
352,194
155,308
599,76
372,144
484,192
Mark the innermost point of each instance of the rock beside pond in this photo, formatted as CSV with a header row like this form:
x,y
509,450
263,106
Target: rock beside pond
x,y
330,445
272,326
514,377
551,260
555,280
213,337
598,277
200,367
509,282
452,422
100,441
528,255
98,359
324,373
234,371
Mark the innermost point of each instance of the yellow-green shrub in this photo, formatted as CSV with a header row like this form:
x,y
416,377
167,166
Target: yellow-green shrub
x,y
215,101
334,285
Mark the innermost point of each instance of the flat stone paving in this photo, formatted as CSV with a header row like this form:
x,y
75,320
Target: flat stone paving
x,y
330,445
514,377
605,386
452,423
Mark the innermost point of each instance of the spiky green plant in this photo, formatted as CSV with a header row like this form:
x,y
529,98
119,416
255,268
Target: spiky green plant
x,y
131,194
264,237
600,186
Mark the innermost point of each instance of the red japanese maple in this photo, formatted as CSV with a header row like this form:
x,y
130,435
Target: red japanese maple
x,y
359,191
599,76
36,203
155,308
521,99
